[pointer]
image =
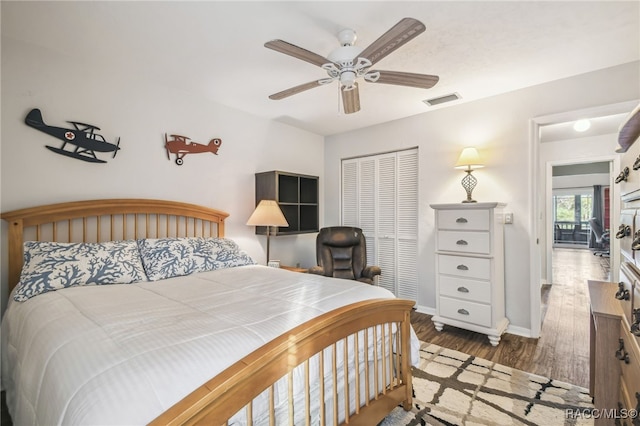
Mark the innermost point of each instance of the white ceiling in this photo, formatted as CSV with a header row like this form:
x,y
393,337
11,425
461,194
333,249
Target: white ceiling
x,y
215,49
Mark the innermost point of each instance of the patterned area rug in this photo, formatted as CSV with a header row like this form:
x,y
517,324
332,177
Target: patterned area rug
x,y
453,388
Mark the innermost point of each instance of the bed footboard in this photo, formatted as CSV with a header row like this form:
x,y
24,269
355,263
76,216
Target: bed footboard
x,y
373,335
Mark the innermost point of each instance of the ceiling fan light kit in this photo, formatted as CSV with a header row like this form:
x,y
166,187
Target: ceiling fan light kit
x,y
348,63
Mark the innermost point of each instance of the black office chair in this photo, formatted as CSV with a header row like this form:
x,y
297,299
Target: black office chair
x,y
602,237
341,252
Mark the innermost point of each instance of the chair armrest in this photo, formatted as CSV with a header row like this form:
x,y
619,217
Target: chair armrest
x,y
371,271
318,270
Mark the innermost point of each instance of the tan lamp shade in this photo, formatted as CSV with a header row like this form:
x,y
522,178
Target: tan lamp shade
x,y
267,213
469,159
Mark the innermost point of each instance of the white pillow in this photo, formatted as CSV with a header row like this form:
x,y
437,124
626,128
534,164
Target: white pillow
x,y
50,266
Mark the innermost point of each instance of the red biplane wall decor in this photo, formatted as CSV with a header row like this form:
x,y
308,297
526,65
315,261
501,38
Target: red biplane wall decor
x,y
182,145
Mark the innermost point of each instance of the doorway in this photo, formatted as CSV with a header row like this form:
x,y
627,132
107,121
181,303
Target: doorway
x,y
579,211
580,193
554,143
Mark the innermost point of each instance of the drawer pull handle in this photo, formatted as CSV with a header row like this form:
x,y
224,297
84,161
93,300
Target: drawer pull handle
x,y
461,220
624,174
623,231
462,267
463,290
463,312
635,327
635,244
621,354
462,243
622,293
636,164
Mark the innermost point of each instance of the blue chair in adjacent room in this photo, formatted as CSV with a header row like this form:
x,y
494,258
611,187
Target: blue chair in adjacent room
x,y
602,237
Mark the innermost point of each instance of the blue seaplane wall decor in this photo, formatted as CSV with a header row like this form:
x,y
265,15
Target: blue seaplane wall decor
x,y
82,140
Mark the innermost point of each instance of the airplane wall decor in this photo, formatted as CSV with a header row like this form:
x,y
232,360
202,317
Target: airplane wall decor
x,y
182,145
82,136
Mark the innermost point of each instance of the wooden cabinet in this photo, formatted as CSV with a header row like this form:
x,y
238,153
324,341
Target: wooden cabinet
x,y
615,356
470,268
297,196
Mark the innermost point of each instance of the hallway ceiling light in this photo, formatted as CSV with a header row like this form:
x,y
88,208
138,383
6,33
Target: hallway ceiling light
x,y
582,125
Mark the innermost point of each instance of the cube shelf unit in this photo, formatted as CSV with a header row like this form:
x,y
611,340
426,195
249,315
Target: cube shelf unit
x,y
298,198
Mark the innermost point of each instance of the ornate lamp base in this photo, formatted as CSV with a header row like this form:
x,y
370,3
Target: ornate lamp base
x,y
468,183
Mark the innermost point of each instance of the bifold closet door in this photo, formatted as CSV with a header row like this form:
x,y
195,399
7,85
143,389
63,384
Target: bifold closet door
x,y
380,195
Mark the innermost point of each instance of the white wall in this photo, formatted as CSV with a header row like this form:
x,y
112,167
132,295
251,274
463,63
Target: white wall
x,y
139,113
500,128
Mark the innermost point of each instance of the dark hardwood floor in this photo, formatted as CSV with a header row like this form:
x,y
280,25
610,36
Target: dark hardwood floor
x,y
562,352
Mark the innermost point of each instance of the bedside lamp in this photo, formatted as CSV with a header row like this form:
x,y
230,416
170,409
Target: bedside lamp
x,y
468,161
268,214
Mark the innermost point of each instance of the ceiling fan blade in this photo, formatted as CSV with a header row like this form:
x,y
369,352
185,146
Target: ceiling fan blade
x,y
297,52
401,33
351,100
294,90
409,79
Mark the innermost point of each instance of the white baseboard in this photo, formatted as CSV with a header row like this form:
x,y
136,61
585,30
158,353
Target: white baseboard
x,y
519,331
425,310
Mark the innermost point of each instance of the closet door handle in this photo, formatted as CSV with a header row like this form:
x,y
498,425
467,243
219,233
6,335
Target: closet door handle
x,y
462,243
463,312
461,220
463,290
462,267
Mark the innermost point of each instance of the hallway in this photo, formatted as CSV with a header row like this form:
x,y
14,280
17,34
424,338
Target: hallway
x,y
563,346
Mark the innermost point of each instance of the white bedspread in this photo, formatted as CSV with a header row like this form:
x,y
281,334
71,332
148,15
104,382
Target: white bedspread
x,y
123,354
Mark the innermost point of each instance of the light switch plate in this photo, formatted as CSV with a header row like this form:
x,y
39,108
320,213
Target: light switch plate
x,y
508,218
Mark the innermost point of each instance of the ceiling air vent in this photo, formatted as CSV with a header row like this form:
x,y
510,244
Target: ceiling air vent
x,y
442,99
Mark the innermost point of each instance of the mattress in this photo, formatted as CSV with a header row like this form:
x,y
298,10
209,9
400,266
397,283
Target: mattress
x,y
123,354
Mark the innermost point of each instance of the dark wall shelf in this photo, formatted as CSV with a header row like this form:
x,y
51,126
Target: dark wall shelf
x,y
298,198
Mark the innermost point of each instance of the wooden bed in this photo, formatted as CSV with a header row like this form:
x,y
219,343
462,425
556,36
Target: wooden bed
x,y
235,388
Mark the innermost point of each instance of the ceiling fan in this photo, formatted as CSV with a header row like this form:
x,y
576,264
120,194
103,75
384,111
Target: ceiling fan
x,y
347,63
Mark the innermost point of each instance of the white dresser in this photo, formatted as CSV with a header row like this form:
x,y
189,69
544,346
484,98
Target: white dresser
x,y
470,268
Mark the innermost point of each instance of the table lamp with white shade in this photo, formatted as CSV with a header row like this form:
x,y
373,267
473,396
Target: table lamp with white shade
x,y
267,213
468,161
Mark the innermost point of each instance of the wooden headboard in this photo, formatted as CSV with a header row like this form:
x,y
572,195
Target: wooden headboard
x,y
107,220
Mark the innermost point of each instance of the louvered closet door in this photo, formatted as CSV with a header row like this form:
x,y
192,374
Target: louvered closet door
x,y
386,220
407,225
380,195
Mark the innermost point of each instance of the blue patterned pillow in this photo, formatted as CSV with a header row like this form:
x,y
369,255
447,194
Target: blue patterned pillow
x,y
50,266
172,257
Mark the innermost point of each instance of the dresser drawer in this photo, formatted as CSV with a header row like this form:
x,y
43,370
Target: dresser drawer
x,y
472,220
462,310
625,290
630,371
461,288
466,267
624,233
464,242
